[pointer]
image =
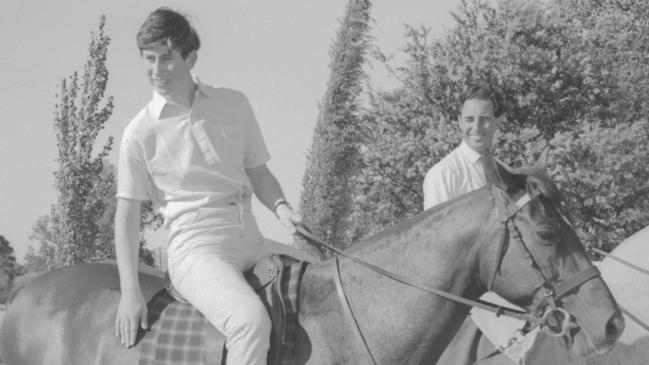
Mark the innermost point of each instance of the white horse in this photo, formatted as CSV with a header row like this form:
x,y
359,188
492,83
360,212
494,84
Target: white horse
x,y
629,286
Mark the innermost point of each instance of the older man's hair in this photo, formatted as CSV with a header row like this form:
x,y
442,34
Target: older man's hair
x,y
483,92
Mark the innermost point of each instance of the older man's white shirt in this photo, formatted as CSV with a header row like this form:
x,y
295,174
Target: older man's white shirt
x,y
458,173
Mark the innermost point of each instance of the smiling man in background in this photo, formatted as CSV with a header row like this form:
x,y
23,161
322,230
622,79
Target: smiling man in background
x,y
460,172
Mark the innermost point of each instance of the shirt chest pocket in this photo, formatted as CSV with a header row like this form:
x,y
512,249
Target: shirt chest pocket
x,y
220,142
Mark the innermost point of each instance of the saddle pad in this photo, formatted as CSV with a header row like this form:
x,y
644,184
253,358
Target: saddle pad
x,y
178,330
177,334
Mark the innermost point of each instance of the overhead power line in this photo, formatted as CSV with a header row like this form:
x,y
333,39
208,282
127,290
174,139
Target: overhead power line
x,y
36,88
28,72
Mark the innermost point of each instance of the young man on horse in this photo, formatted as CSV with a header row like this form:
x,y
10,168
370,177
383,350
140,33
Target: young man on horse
x,y
460,172
197,151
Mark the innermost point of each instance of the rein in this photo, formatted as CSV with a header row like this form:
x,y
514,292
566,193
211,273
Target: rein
x,y
488,306
507,212
621,261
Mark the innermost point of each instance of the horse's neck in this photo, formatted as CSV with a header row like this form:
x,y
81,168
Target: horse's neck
x,y
438,249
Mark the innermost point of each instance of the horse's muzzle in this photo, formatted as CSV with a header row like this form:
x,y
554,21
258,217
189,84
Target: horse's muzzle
x,y
614,329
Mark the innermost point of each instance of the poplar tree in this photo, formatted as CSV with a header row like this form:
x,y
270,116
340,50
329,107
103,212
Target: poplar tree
x,y
325,199
8,268
80,226
81,181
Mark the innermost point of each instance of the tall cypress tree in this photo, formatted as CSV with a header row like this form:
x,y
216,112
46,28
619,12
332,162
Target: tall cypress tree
x,y
325,201
81,180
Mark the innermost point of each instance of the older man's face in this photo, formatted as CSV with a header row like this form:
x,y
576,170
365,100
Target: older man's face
x,y
478,124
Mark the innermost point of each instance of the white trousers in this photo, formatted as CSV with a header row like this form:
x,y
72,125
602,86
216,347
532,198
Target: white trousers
x,y
208,252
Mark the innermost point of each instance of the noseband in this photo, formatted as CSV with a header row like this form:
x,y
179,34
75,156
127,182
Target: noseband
x,y
551,291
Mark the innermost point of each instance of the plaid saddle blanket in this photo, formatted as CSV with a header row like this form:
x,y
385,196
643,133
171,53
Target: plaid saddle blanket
x,y
179,334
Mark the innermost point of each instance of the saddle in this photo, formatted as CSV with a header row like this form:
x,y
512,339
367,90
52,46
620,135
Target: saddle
x,y
179,334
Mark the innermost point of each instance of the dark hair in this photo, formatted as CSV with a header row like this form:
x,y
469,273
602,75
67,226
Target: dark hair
x,y
168,27
482,92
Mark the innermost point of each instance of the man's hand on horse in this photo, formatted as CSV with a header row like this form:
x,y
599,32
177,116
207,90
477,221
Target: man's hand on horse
x,y
288,217
131,313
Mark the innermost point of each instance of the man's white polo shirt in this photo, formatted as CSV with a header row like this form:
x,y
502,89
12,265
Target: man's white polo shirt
x,y
457,173
185,159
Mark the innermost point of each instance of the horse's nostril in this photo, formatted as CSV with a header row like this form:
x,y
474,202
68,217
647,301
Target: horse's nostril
x,y
614,328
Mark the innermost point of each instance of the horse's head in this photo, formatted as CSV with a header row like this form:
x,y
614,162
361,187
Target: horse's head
x,y
539,263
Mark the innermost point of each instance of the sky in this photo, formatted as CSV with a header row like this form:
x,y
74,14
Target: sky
x,y
276,52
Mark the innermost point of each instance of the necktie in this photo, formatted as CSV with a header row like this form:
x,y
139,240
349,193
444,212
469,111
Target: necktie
x,y
490,168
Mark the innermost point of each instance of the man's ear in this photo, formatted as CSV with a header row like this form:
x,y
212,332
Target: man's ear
x,y
191,59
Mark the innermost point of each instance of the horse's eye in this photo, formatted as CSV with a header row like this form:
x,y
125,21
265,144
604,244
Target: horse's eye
x,y
547,236
548,233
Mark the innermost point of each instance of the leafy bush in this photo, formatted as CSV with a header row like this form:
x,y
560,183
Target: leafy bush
x,y
568,74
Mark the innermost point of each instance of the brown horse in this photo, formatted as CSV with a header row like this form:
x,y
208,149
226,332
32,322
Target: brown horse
x,y
463,247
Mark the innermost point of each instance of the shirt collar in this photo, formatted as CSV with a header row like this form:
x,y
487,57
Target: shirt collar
x,y
469,152
156,105
158,102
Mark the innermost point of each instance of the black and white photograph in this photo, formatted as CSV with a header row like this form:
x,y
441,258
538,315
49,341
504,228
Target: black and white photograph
x,y
209,182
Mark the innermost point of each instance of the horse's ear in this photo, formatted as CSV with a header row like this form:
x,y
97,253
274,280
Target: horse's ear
x,y
498,173
542,163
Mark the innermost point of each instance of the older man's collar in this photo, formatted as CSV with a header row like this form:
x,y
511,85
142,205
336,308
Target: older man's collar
x,y
472,155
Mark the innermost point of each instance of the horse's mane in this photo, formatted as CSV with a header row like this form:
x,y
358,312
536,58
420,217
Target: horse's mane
x,y
534,181
538,182
408,222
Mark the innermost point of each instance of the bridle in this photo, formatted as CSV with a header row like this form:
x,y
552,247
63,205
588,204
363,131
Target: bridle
x,y
553,291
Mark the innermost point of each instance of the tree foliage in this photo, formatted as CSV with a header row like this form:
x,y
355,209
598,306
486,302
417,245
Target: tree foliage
x,y
326,193
9,269
80,181
42,259
568,74
604,173
80,227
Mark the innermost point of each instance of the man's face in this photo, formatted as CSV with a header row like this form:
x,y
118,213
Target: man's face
x,y
166,68
478,124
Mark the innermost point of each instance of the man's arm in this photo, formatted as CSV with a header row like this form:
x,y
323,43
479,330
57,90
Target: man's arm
x,y
270,194
132,310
